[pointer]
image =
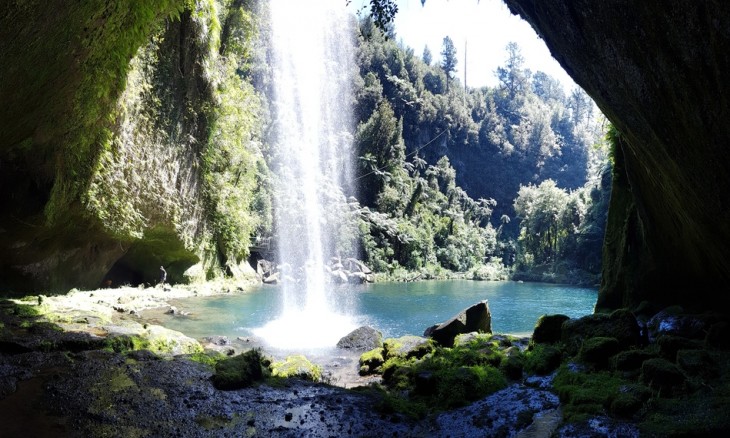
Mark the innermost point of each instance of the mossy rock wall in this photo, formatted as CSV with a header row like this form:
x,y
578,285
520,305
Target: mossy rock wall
x,y
114,127
658,70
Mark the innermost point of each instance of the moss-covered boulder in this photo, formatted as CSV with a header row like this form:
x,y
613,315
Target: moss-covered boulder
x,y
669,345
662,375
698,363
240,371
548,329
629,400
631,360
407,347
599,350
621,325
542,359
297,366
371,361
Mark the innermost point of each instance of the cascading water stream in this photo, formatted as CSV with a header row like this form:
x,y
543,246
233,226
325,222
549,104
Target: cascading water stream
x,y
312,61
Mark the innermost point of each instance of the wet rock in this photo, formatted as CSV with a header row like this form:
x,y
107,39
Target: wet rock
x,y
476,318
671,321
504,413
599,427
274,278
217,340
548,329
354,265
361,339
356,277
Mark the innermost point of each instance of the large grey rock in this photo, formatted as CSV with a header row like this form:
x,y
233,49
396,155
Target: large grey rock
x,y
363,338
476,318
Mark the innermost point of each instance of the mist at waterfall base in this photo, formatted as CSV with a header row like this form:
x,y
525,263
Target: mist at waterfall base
x,y
312,63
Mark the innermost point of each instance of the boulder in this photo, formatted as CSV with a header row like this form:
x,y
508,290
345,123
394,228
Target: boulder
x,y
361,339
273,278
671,321
548,329
476,318
357,277
661,375
296,366
354,265
407,347
598,350
371,361
621,324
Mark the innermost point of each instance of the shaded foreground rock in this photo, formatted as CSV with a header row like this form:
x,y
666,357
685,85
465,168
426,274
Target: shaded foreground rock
x,y
361,339
476,318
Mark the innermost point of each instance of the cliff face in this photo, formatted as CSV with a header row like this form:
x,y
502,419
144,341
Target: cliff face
x,y
658,70
116,144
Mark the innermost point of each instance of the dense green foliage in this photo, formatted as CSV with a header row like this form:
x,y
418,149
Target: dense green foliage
x,y
435,162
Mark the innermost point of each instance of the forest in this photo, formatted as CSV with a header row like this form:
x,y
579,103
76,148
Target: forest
x,y
508,182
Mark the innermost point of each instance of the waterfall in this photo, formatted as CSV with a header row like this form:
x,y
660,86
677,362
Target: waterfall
x,y
312,65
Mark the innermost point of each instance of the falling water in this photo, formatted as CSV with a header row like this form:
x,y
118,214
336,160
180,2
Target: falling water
x,y
312,61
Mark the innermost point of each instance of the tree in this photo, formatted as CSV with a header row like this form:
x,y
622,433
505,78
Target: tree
x,y
448,59
513,77
427,58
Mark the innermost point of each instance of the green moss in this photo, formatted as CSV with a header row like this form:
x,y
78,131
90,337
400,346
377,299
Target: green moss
x,y
548,329
26,310
407,347
584,394
447,377
240,371
662,375
296,366
598,350
206,358
371,361
124,343
542,359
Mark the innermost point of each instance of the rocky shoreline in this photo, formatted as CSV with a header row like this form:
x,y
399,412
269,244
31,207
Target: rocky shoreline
x,y
59,376
88,364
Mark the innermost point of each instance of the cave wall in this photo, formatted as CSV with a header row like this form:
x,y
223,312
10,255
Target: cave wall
x,y
114,135
658,70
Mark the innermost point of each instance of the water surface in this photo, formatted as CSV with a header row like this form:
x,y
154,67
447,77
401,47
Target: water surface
x,y
396,309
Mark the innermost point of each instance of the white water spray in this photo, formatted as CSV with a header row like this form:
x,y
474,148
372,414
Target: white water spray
x,y
312,64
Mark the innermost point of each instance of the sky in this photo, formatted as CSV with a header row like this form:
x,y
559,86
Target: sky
x,y
485,26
